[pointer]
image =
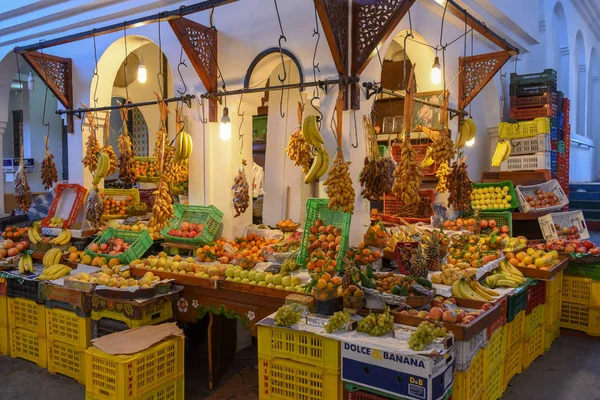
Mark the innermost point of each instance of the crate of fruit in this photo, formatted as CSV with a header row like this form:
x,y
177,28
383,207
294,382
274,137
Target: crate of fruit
x,y
564,225
531,145
546,196
537,89
494,220
193,224
494,196
531,162
125,246
117,201
146,169
524,129
66,205
321,221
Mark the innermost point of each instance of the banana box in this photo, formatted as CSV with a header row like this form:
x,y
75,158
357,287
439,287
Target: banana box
x,y
399,374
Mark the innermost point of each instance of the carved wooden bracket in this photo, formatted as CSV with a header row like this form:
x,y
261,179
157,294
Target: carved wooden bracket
x,y
200,45
57,74
334,19
475,72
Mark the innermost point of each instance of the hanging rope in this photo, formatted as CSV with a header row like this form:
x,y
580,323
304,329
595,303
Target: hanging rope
x,y
282,38
160,63
240,134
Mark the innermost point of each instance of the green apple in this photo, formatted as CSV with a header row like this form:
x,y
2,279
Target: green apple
x,y
270,285
277,279
286,281
230,279
295,281
269,278
262,284
244,274
290,288
252,275
229,273
153,262
280,287
246,280
253,283
260,277
237,279
299,287
300,290
237,273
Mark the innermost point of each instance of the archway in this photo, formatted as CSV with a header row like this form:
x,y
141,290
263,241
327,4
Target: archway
x,y
560,59
593,117
580,105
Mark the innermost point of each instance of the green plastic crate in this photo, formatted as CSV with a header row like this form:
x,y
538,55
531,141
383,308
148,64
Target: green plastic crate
x,y
259,127
139,243
511,191
517,302
210,216
591,271
501,217
317,209
382,149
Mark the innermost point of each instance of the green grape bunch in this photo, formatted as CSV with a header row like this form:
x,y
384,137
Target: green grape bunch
x,y
376,324
336,321
288,266
287,316
425,334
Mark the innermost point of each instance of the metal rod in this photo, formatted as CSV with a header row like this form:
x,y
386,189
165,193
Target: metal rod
x,y
187,99
135,23
302,85
579,144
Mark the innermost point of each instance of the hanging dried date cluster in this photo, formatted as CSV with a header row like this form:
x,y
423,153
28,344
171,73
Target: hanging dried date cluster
x,y
460,186
49,174
408,175
442,175
126,163
442,148
162,211
298,149
22,191
90,160
107,149
339,186
94,203
241,191
377,175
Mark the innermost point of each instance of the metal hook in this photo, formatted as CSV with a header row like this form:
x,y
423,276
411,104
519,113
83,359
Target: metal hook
x,y
96,69
281,113
281,37
200,102
125,62
355,146
160,62
181,62
241,115
319,119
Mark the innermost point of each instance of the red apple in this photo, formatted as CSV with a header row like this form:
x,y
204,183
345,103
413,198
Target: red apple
x,y
587,244
487,306
449,316
436,313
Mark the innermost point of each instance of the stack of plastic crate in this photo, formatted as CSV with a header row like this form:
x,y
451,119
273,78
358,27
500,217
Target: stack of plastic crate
x,y
534,110
553,309
4,332
27,330
295,364
535,329
580,308
564,153
494,355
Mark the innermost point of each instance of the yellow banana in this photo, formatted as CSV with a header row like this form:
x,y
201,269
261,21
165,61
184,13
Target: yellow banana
x,y
469,293
455,289
315,167
473,128
486,290
21,266
508,150
324,166
31,236
479,292
507,283
311,132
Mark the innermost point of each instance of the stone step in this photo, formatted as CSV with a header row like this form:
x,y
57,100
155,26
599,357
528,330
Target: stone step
x,y
574,195
588,187
592,205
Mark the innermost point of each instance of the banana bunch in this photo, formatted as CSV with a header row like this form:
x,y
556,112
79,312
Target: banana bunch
x,y
102,168
162,211
472,290
442,174
507,276
503,150
52,257
33,233
54,271
466,132
183,149
320,163
427,161
25,264
63,238
442,148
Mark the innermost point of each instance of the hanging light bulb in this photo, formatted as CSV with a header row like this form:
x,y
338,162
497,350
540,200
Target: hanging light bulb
x,y
225,128
142,75
470,143
436,71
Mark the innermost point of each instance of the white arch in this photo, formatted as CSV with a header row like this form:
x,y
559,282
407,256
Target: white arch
x,y
560,60
580,104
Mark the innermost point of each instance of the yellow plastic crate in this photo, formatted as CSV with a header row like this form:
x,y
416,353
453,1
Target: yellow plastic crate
x,y
496,348
524,129
552,311
513,363
534,319
68,327
281,379
581,318
27,314
132,376
173,390
470,384
4,340
494,384
3,310
581,290
515,330
120,194
66,359
151,315
551,335
298,346
533,346
554,286
29,346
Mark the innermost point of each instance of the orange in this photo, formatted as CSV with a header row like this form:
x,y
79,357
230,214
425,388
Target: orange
x,y
326,277
321,284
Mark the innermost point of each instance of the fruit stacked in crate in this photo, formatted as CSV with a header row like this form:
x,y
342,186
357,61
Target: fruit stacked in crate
x,y
535,106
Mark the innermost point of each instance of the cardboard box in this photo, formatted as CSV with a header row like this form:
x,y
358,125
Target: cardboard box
x,y
466,350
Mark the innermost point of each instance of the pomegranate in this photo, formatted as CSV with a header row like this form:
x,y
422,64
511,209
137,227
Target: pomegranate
x,y
483,223
493,223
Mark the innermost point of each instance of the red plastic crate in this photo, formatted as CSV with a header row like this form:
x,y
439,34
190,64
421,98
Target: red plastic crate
x,y
566,109
534,101
74,208
391,204
421,150
501,320
536,295
549,110
567,136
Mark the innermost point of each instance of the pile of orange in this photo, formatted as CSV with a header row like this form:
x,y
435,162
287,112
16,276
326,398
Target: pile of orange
x,y
113,206
14,232
363,255
146,168
243,251
376,236
325,285
287,226
319,262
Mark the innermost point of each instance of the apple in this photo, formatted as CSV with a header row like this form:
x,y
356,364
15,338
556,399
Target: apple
x,y
269,279
245,280
436,313
286,281
277,278
487,306
412,311
449,316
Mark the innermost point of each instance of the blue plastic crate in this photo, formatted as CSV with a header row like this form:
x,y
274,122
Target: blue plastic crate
x,y
560,119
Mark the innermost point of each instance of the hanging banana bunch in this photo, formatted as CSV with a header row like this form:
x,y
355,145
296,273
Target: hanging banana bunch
x,y
49,174
90,161
183,148
107,149
126,163
442,175
466,132
298,149
502,152
320,163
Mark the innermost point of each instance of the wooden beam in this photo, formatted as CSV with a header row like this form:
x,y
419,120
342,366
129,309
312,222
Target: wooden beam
x,y
372,23
57,74
200,45
475,72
